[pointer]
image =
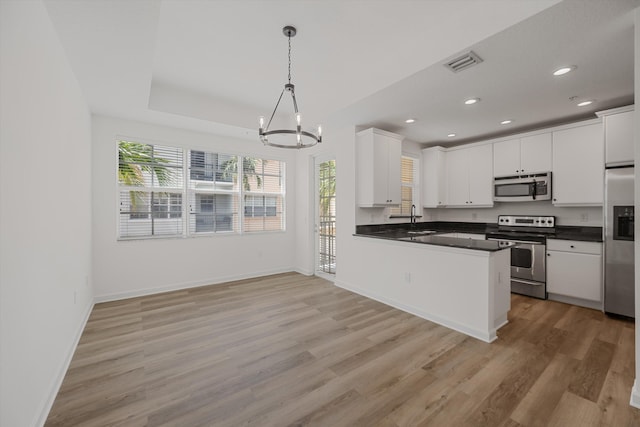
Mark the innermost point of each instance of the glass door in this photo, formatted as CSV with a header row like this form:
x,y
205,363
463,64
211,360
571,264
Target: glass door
x,y
326,216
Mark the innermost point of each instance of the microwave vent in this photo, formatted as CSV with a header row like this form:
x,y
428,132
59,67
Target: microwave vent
x,y
463,62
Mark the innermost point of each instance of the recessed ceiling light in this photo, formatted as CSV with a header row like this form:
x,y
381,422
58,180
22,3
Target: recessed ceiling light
x,y
506,122
564,70
471,101
585,103
410,121
451,135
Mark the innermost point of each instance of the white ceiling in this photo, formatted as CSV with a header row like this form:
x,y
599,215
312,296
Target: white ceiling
x,y
217,65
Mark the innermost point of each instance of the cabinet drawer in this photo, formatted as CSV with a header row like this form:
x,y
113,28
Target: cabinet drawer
x,y
594,248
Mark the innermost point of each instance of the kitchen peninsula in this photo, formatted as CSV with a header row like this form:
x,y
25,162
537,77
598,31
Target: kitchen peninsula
x,y
449,278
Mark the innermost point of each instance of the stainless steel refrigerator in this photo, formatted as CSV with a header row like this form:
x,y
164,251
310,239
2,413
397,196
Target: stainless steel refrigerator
x,y
619,276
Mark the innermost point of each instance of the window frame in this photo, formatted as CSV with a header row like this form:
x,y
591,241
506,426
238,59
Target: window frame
x,y
415,188
186,191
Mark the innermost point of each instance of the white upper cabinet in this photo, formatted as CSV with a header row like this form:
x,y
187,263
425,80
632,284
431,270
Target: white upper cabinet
x,y
469,175
618,136
529,154
578,166
434,184
378,162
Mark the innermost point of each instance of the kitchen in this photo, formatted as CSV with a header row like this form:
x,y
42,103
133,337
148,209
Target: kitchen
x,y
548,260
585,212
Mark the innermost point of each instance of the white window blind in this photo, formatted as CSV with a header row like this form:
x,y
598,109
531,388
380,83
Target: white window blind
x,y
213,192
217,194
263,186
408,183
151,182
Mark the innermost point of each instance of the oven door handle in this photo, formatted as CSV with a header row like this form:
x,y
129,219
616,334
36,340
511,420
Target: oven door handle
x,y
527,282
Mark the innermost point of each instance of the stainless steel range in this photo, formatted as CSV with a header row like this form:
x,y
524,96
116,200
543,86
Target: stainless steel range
x,y
528,256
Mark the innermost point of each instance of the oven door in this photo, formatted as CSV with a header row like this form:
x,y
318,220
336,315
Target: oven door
x,y
528,262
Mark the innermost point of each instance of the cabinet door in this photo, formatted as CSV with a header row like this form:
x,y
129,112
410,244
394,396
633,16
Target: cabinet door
x,y
480,161
578,166
574,274
380,171
394,166
535,153
506,158
433,178
457,178
618,136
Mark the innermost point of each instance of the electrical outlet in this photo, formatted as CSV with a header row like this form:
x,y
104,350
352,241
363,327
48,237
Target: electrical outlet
x,y
407,277
584,217
474,216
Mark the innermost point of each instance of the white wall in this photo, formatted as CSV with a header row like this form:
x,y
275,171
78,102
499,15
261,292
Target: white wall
x,y
45,213
126,268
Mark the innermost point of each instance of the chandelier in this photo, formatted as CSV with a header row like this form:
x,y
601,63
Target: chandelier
x,y
289,138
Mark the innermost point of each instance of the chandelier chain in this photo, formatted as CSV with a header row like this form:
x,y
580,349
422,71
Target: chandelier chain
x,y
289,59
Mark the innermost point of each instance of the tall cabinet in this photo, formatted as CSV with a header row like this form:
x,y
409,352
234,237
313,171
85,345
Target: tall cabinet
x,y
434,184
469,175
378,155
578,166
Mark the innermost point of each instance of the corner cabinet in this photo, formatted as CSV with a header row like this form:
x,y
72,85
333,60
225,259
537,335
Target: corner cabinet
x,y
578,166
469,176
574,270
529,154
378,155
434,184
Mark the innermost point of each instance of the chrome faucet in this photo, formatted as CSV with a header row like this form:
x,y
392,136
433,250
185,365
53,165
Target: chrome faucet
x,y
413,215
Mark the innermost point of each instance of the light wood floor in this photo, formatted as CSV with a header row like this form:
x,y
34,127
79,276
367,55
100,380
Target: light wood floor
x,y
295,350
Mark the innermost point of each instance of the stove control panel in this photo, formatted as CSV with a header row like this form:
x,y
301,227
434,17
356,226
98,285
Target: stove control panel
x,y
527,221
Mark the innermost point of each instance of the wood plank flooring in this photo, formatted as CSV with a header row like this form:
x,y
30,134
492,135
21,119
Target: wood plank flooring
x,y
291,350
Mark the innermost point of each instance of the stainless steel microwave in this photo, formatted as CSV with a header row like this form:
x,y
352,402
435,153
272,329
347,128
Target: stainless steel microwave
x,y
522,188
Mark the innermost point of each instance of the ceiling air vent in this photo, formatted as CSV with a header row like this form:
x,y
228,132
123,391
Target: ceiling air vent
x,y
463,62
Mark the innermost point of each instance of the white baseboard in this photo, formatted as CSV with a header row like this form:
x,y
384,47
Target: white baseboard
x,y
304,271
635,395
186,285
482,336
48,404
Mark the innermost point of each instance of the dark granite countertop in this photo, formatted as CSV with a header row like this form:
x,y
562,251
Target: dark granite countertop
x,y
430,233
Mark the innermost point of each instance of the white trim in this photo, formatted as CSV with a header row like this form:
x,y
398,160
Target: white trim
x,y
187,285
596,305
57,383
613,111
635,395
326,276
304,271
482,336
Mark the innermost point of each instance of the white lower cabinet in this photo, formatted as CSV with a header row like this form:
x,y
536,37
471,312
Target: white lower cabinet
x,y
574,269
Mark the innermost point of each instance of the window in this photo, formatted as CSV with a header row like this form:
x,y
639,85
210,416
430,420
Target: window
x,y
223,193
257,206
263,187
213,192
408,182
150,184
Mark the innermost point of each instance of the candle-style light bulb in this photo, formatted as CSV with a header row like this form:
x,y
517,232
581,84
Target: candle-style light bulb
x,y
261,122
319,130
298,137
298,118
